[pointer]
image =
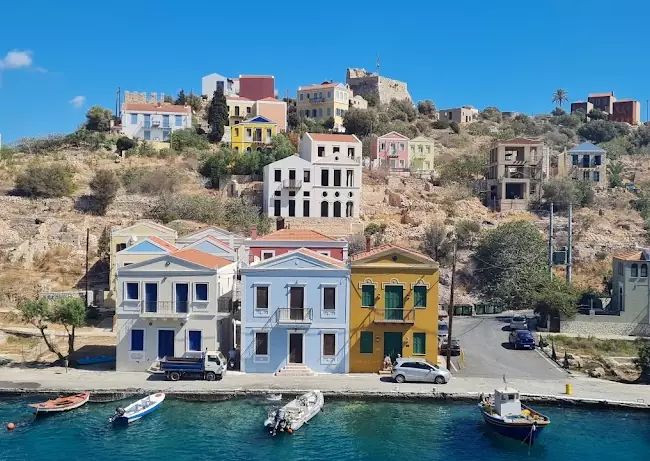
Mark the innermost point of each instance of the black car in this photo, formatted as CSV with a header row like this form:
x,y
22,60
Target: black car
x,y
455,347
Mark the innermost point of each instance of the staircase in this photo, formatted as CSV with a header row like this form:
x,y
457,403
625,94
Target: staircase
x,y
295,369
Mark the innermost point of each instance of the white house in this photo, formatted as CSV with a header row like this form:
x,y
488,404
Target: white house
x,y
154,122
287,188
170,304
210,83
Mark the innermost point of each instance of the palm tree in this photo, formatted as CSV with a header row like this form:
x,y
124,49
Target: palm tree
x,y
560,97
615,171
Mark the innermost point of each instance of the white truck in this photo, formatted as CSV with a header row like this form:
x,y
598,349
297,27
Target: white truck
x,y
209,365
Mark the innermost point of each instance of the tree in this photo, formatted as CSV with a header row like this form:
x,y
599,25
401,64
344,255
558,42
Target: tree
x,y
401,109
194,101
124,143
281,147
466,231
641,137
455,127
188,138
598,131
562,191
328,123
615,170
426,107
463,169
217,166
39,313
510,261
98,119
56,180
181,100
217,116
441,124
104,244
555,297
560,97
71,313
104,187
597,114
492,113
642,362
168,99
436,241
358,121
558,111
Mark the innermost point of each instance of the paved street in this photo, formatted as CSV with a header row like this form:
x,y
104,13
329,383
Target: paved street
x,y
488,354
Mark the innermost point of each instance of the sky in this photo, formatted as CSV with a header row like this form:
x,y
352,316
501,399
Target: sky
x,y
57,59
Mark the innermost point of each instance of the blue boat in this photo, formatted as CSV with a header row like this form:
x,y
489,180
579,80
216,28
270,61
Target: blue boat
x,y
96,359
137,409
506,415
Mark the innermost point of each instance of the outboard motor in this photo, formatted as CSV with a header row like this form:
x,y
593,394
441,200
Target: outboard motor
x,y
119,412
280,422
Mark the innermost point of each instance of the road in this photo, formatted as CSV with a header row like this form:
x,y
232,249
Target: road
x,y
488,354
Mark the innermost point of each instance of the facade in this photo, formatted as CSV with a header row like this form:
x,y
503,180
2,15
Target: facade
x,y
631,287
239,109
459,115
273,109
584,106
603,101
210,83
323,101
252,134
516,170
627,110
357,102
391,151
421,154
393,307
588,163
154,122
285,240
288,188
295,314
256,87
168,305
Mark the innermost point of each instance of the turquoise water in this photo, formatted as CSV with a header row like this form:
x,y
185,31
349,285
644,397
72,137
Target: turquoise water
x,y
233,430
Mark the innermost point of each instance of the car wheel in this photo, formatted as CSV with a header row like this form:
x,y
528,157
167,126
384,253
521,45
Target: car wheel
x,y
439,380
174,376
210,376
400,379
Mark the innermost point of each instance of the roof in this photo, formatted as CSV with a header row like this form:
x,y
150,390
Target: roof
x,y
300,235
626,100
382,248
322,85
327,259
394,134
259,119
221,243
156,108
328,137
256,76
163,243
586,147
630,256
520,141
421,139
580,102
270,99
201,258
238,98
595,95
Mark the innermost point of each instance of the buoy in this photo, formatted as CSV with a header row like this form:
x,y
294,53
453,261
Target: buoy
x,y
11,426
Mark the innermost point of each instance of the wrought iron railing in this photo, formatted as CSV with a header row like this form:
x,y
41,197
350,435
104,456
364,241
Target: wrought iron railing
x,y
394,315
295,315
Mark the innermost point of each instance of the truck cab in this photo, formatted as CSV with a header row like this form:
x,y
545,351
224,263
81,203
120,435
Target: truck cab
x,y
208,365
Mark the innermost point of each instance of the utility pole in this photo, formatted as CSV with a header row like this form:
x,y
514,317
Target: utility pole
x,y
450,311
569,249
550,241
87,243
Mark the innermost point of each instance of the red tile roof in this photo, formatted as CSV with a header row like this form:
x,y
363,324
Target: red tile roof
x,y
300,235
201,258
157,108
630,256
520,141
327,259
220,242
270,99
327,137
382,248
238,98
315,87
163,243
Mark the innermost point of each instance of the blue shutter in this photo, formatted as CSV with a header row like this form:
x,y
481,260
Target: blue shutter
x,y
194,340
137,340
134,119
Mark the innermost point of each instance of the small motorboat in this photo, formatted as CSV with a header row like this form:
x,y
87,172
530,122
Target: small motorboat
x,y
506,415
137,409
294,414
274,397
97,359
61,404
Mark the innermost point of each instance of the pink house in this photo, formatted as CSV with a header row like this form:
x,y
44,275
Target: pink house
x,y
391,151
286,240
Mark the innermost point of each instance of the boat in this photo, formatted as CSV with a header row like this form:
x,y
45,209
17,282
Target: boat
x,y
274,397
61,404
137,409
97,359
507,416
294,414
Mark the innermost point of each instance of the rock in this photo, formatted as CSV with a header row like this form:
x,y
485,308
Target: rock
x,y
576,362
3,338
5,360
597,372
611,363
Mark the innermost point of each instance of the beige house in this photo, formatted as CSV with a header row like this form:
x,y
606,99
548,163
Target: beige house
x,y
585,162
320,102
461,115
421,153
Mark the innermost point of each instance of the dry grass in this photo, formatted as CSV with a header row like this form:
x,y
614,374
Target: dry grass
x,y
593,347
19,344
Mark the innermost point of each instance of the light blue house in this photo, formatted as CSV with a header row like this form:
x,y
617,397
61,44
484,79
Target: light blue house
x,y
588,163
295,314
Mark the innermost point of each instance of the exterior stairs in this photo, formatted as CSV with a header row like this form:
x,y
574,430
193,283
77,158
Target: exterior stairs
x,y
295,369
385,371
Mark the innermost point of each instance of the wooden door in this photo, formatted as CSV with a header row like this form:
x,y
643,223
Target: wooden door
x,y
295,348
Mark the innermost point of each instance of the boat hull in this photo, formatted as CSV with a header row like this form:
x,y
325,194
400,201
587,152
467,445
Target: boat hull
x,y
131,416
524,432
61,404
312,410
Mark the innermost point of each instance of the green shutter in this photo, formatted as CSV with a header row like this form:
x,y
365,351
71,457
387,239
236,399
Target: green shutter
x,y
419,343
367,295
366,342
420,296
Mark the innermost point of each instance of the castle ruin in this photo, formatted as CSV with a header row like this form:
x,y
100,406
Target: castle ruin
x,y
366,83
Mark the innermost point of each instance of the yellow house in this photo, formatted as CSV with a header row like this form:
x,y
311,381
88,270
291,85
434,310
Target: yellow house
x,y
393,307
254,133
324,101
239,109
421,154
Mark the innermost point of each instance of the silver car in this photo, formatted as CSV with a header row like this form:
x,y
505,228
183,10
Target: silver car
x,y
518,322
419,370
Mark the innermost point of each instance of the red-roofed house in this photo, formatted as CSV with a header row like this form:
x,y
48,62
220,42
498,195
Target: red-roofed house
x,y
324,101
285,240
154,122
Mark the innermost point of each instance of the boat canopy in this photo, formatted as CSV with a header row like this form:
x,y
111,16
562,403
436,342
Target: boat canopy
x,y
506,402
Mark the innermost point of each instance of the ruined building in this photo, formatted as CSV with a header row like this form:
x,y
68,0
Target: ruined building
x,y
366,84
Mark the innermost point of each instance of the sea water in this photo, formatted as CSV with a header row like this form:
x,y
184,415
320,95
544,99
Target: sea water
x,y
233,430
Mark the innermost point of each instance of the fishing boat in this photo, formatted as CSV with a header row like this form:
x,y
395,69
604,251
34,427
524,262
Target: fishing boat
x,y
61,404
137,409
96,359
506,415
294,414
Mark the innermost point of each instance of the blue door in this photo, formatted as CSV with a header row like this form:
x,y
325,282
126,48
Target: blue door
x,y
151,297
182,293
165,343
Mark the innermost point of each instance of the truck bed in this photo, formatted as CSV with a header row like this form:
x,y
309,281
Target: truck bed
x,y
181,364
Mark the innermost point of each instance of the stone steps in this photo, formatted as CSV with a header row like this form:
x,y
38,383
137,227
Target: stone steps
x,y
294,369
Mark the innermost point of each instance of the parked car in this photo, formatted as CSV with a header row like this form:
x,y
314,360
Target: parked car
x,y
455,347
419,370
443,331
522,339
518,322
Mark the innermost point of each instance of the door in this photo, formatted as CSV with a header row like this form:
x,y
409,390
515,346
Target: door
x,y
296,303
392,344
182,297
394,302
151,297
165,343
295,347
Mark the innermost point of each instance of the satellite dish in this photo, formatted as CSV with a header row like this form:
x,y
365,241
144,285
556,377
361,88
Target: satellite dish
x,y
132,240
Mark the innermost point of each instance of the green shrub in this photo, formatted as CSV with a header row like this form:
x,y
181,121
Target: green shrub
x,y
643,360
125,143
455,127
151,181
55,180
188,139
104,187
441,124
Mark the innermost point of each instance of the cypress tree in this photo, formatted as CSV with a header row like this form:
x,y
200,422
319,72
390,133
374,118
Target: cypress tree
x,y
217,116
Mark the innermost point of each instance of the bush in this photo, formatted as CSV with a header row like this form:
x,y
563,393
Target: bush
x,y
642,362
455,127
151,181
401,109
98,119
358,121
466,232
356,244
426,107
464,169
217,166
46,181
104,187
598,131
124,143
562,191
188,139
441,124
436,242
492,113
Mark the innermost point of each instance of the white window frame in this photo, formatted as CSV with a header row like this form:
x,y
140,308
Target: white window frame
x,y
261,312
261,358
126,292
325,253
144,340
189,295
329,313
328,359
194,298
263,252
187,340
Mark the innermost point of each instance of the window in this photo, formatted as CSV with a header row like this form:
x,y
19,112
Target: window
x,y
585,175
382,146
194,340
302,96
329,112
329,344
147,135
262,296
419,343
132,291
277,193
305,208
236,132
307,176
249,132
337,209
165,121
267,254
236,111
336,149
261,343
597,176
620,269
134,119
320,113
351,152
292,207
420,296
292,193
119,247
137,340
313,113
306,193
278,175
277,207
268,134
367,296
597,160
321,151
329,298
329,95
401,146
200,292
324,178
248,110
337,178
644,270
324,209
366,342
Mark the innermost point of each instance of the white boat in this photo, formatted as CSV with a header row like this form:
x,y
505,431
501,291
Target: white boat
x,y
274,397
137,409
294,414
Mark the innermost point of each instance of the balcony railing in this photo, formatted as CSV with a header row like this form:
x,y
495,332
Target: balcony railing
x,y
165,309
317,100
292,184
295,315
396,315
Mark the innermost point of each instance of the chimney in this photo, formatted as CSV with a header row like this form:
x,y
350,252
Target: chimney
x,y
368,243
253,233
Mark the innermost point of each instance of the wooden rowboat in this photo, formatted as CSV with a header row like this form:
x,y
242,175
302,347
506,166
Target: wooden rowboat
x,y
62,403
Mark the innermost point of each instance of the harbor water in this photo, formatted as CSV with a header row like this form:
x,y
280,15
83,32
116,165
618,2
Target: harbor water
x,y
232,430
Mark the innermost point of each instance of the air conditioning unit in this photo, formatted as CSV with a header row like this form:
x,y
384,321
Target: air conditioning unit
x,y
155,123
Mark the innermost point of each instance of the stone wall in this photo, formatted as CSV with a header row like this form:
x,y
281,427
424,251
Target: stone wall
x,y
595,328
333,227
366,83
135,97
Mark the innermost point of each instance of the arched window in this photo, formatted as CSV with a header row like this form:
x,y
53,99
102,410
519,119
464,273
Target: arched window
x,y
635,270
324,209
644,270
337,209
349,209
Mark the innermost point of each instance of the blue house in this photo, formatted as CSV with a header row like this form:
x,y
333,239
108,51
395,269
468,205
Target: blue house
x,y
295,314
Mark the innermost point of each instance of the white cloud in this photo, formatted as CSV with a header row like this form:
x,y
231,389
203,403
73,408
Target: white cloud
x,y
16,59
78,102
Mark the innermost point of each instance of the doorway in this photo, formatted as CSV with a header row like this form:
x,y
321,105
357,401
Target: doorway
x,y
296,303
295,347
151,297
182,297
392,344
394,302
166,343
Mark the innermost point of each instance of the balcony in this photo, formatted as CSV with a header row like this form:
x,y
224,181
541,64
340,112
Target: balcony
x,y
396,315
292,316
318,100
165,309
291,184
257,139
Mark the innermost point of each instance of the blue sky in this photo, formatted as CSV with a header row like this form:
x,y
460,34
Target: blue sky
x,y
507,53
